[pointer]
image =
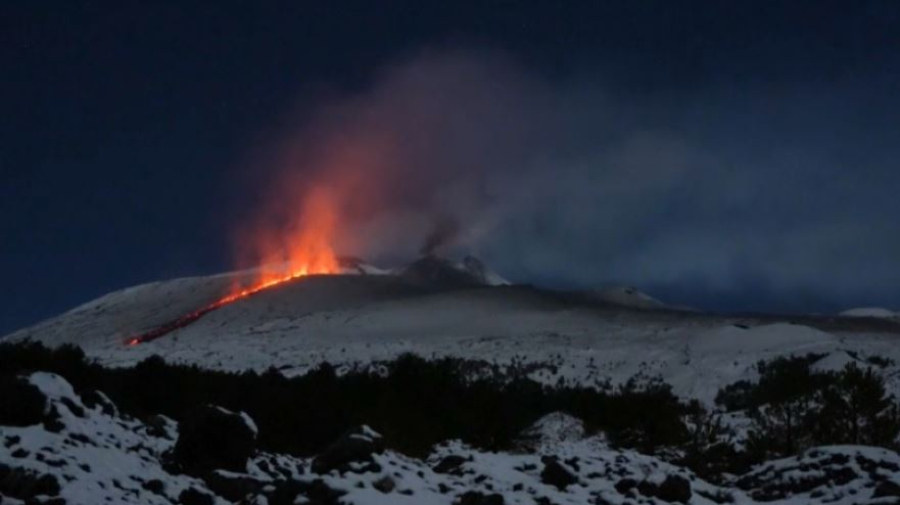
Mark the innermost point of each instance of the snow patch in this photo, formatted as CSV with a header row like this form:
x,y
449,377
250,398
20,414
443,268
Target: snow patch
x,y
871,312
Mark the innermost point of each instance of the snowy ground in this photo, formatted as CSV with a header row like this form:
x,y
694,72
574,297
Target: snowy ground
x,y
90,454
358,320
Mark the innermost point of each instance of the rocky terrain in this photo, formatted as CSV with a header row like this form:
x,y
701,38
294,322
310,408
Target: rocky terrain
x,y
674,405
58,447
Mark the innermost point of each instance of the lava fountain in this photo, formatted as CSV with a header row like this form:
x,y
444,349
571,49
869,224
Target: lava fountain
x,y
300,247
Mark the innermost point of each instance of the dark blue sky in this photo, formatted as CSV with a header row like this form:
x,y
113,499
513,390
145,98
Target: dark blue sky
x,y
125,130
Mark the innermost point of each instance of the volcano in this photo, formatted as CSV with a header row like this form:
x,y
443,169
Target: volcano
x,y
363,315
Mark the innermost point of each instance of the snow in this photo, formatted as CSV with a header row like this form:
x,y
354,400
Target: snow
x,y
96,458
101,458
361,321
835,362
627,296
871,312
250,424
52,385
366,319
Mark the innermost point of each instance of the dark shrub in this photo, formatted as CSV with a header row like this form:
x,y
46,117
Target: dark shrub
x,y
21,404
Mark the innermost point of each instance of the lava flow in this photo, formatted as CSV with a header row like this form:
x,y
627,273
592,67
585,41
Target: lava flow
x,y
190,317
301,249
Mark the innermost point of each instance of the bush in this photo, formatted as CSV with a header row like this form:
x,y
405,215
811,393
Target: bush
x,y
854,408
415,405
793,407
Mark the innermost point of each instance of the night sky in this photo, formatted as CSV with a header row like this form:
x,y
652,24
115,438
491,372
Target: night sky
x,y
737,156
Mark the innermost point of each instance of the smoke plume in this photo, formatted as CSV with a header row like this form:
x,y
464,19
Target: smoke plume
x,y
565,181
445,231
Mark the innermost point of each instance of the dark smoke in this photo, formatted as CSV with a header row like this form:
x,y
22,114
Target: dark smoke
x,y
446,230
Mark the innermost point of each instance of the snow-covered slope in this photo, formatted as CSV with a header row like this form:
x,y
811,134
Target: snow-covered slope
x,y
80,452
871,312
443,273
361,320
631,297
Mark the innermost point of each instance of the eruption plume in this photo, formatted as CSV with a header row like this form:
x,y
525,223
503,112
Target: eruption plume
x,y
446,230
304,245
301,248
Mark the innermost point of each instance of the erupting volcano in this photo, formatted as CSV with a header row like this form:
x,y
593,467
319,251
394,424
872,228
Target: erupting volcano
x,y
299,248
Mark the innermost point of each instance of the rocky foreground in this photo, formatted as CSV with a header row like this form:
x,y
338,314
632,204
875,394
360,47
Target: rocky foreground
x,y
57,447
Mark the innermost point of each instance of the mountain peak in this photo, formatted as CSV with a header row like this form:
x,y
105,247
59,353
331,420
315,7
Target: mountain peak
x,y
435,271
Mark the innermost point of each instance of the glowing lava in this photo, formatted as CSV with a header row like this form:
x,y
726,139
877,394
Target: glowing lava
x,y
301,248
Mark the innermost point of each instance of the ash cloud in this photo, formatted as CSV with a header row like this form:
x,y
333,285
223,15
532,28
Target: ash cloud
x,y
445,231
567,182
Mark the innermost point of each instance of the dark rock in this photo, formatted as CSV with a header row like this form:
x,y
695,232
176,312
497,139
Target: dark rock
x,y
648,488
476,498
155,486
352,452
624,486
674,489
212,438
769,483
449,464
25,484
80,437
315,493
886,488
385,484
53,421
23,403
232,487
555,474
94,399
161,427
73,407
194,496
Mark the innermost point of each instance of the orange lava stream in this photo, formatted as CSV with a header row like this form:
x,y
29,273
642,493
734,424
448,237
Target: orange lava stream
x,y
301,248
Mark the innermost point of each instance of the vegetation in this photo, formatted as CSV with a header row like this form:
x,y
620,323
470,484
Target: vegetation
x,y
415,404
794,407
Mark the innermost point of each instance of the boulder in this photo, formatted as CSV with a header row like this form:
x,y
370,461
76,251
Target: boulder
x,y
674,489
555,474
25,484
232,486
155,486
449,464
316,492
94,399
886,488
352,452
476,498
161,426
194,496
212,438
624,486
647,488
385,484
